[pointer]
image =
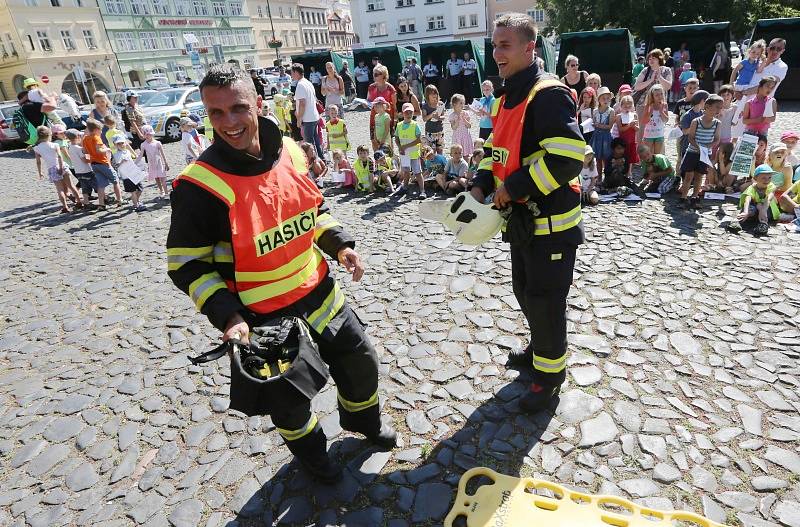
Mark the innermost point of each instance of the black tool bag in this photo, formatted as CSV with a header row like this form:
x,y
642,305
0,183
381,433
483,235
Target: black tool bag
x,y
519,223
279,368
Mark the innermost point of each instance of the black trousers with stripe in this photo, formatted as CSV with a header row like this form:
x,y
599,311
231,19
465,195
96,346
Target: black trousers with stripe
x,y
353,365
541,276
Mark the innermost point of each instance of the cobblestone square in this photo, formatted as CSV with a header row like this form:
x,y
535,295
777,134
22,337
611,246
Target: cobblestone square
x,y
682,387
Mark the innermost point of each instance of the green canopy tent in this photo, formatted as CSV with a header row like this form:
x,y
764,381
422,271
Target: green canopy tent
x,y
700,40
440,53
544,49
608,52
393,57
789,29
319,58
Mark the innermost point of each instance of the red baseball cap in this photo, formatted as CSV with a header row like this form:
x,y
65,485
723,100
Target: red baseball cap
x,y
790,135
625,88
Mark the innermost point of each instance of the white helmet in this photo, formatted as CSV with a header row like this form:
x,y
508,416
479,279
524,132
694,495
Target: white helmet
x,y
472,222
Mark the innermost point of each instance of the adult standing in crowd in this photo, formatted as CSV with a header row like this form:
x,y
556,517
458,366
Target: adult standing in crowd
x,y
431,73
637,68
362,79
575,77
774,66
669,62
316,80
103,107
218,208
34,112
470,86
382,88
333,87
406,95
349,83
134,120
257,83
656,72
413,73
305,102
720,66
535,119
454,72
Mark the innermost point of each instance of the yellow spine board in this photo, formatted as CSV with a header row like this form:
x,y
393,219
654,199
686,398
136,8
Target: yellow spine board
x,y
513,502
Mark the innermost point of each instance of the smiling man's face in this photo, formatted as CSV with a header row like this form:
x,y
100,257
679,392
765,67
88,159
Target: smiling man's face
x,y
512,52
233,111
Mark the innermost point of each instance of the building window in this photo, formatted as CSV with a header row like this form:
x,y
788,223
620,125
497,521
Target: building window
x,y
435,22
405,3
148,40
88,39
236,8
183,7
280,11
206,38
126,41
55,3
463,22
140,7
44,40
465,2
243,37
219,8
31,3
291,13
199,8
406,25
116,7
473,20
260,12
536,14
378,29
169,39
294,38
226,35
428,2
375,5
160,7
10,43
67,40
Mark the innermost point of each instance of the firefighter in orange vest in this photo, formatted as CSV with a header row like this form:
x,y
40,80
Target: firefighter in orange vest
x,y
532,162
246,243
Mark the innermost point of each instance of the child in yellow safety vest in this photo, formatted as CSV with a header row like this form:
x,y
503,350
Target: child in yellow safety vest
x,y
384,171
283,112
364,168
337,131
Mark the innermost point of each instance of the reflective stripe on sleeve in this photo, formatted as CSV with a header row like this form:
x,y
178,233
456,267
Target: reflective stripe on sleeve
x,y
177,257
567,220
223,252
485,164
564,146
332,304
550,365
294,435
205,286
351,406
542,177
324,222
281,287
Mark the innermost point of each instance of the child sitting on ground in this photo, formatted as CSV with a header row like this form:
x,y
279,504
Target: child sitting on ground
x,y
364,168
434,163
790,140
385,171
777,159
703,135
317,169
454,178
474,161
789,201
757,202
615,177
342,165
658,174
590,179
719,177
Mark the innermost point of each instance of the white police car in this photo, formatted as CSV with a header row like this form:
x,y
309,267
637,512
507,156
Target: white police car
x,y
163,110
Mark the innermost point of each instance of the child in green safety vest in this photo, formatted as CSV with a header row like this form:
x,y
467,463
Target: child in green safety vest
x,y
337,131
409,136
758,202
364,169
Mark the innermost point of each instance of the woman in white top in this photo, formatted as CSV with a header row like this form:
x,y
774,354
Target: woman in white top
x,y
654,73
333,88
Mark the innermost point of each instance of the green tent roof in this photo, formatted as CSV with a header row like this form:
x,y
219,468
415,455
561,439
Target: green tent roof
x,y
599,34
607,52
692,27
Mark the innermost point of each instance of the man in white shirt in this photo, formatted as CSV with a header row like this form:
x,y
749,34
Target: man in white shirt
x,y
431,73
454,69
362,79
774,67
470,77
305,101
413,75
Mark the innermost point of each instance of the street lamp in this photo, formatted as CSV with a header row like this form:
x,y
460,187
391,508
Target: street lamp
x,y
275,43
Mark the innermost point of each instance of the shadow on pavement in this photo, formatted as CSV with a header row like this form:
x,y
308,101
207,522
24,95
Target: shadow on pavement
x,y
421,481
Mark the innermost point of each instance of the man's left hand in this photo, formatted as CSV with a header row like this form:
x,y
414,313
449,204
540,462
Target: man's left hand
x,y
351,262
501,197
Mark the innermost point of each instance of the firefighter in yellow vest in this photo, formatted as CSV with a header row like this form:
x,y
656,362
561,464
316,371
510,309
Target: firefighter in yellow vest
x,y
246,243
337,131
533,158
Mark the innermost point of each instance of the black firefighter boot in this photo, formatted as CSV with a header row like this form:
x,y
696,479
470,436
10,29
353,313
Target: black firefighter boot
x,y
538,397
520,358
311,451
368,422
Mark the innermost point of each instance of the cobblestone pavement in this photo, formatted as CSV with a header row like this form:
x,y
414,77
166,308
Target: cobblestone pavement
x,y
681,393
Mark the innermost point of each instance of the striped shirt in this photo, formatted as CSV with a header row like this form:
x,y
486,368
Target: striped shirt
x,y
703,136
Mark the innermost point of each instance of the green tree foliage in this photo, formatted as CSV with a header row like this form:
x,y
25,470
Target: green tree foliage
x,y
641,15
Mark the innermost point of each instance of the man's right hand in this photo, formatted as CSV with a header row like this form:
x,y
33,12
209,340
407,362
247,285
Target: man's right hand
x,y
477,193
236,328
